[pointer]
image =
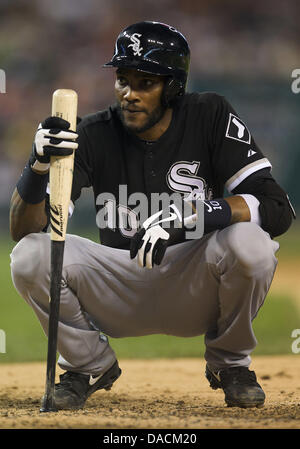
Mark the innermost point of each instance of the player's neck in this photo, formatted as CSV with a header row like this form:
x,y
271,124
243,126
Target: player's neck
x,y
159,128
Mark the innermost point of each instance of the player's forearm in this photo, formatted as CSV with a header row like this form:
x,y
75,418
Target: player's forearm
x,y
239,209
27,210
25,218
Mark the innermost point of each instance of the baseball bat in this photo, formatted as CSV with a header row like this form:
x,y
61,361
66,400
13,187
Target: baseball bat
x,y
64,105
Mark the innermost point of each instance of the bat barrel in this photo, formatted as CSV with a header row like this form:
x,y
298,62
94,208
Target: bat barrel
x,y
64,105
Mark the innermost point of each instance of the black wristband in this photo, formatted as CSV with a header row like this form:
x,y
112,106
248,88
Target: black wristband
x,y
32,186
217,215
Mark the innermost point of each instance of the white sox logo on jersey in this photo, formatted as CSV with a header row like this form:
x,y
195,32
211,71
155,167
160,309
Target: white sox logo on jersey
x,y
237,130
137,50
182,178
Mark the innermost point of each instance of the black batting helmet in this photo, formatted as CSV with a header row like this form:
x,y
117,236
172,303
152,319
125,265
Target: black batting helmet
x,y
157,48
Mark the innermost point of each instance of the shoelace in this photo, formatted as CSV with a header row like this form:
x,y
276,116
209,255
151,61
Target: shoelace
x,y
68,379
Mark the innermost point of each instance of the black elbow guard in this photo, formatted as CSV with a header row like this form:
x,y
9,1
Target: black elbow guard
x,y
275,209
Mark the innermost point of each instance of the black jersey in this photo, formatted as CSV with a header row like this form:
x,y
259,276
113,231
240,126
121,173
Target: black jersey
x,y
206,148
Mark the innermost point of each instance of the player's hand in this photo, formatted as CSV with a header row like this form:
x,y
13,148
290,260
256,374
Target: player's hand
x,y
53,138
149,244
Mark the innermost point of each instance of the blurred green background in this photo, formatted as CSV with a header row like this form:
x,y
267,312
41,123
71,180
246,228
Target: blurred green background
x,y
243,50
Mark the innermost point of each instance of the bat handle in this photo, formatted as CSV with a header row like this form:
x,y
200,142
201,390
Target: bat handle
x,y
57,253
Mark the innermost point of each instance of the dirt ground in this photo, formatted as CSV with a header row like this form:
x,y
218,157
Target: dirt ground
x,y
156,394
163,394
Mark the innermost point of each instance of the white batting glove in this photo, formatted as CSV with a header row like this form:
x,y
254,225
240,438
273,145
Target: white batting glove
x,y
149,244
53,138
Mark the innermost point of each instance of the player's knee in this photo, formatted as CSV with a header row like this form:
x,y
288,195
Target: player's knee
x,y
252,247
28,258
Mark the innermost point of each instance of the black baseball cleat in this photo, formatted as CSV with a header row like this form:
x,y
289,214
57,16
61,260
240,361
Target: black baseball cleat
x,y
73,389
239,385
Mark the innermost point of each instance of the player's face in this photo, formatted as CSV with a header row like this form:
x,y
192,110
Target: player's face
x,y
139,96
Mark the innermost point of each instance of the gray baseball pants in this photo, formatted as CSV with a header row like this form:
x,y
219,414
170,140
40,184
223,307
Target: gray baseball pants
x,y
213,286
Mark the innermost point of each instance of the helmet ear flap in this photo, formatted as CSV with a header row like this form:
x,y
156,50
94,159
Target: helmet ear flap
x,y
172,89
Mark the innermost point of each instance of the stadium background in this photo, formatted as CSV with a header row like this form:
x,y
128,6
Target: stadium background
x,y
244,50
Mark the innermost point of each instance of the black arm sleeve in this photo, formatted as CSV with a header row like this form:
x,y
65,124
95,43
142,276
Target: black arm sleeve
x,y
275,208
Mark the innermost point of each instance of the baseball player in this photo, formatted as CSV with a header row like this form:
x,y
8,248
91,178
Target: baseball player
x,y
176,257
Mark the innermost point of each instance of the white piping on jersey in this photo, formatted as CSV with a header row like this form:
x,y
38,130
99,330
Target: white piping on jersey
x,y
246,171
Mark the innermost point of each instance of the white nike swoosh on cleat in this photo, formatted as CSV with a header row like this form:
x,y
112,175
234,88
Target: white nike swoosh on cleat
x,y
93,380
217,376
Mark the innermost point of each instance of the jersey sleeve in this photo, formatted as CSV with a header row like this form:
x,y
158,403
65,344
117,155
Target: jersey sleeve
x,y
235,152
83,173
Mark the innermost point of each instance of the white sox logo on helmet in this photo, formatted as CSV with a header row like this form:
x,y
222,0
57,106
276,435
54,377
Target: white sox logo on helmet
x,y
137,50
